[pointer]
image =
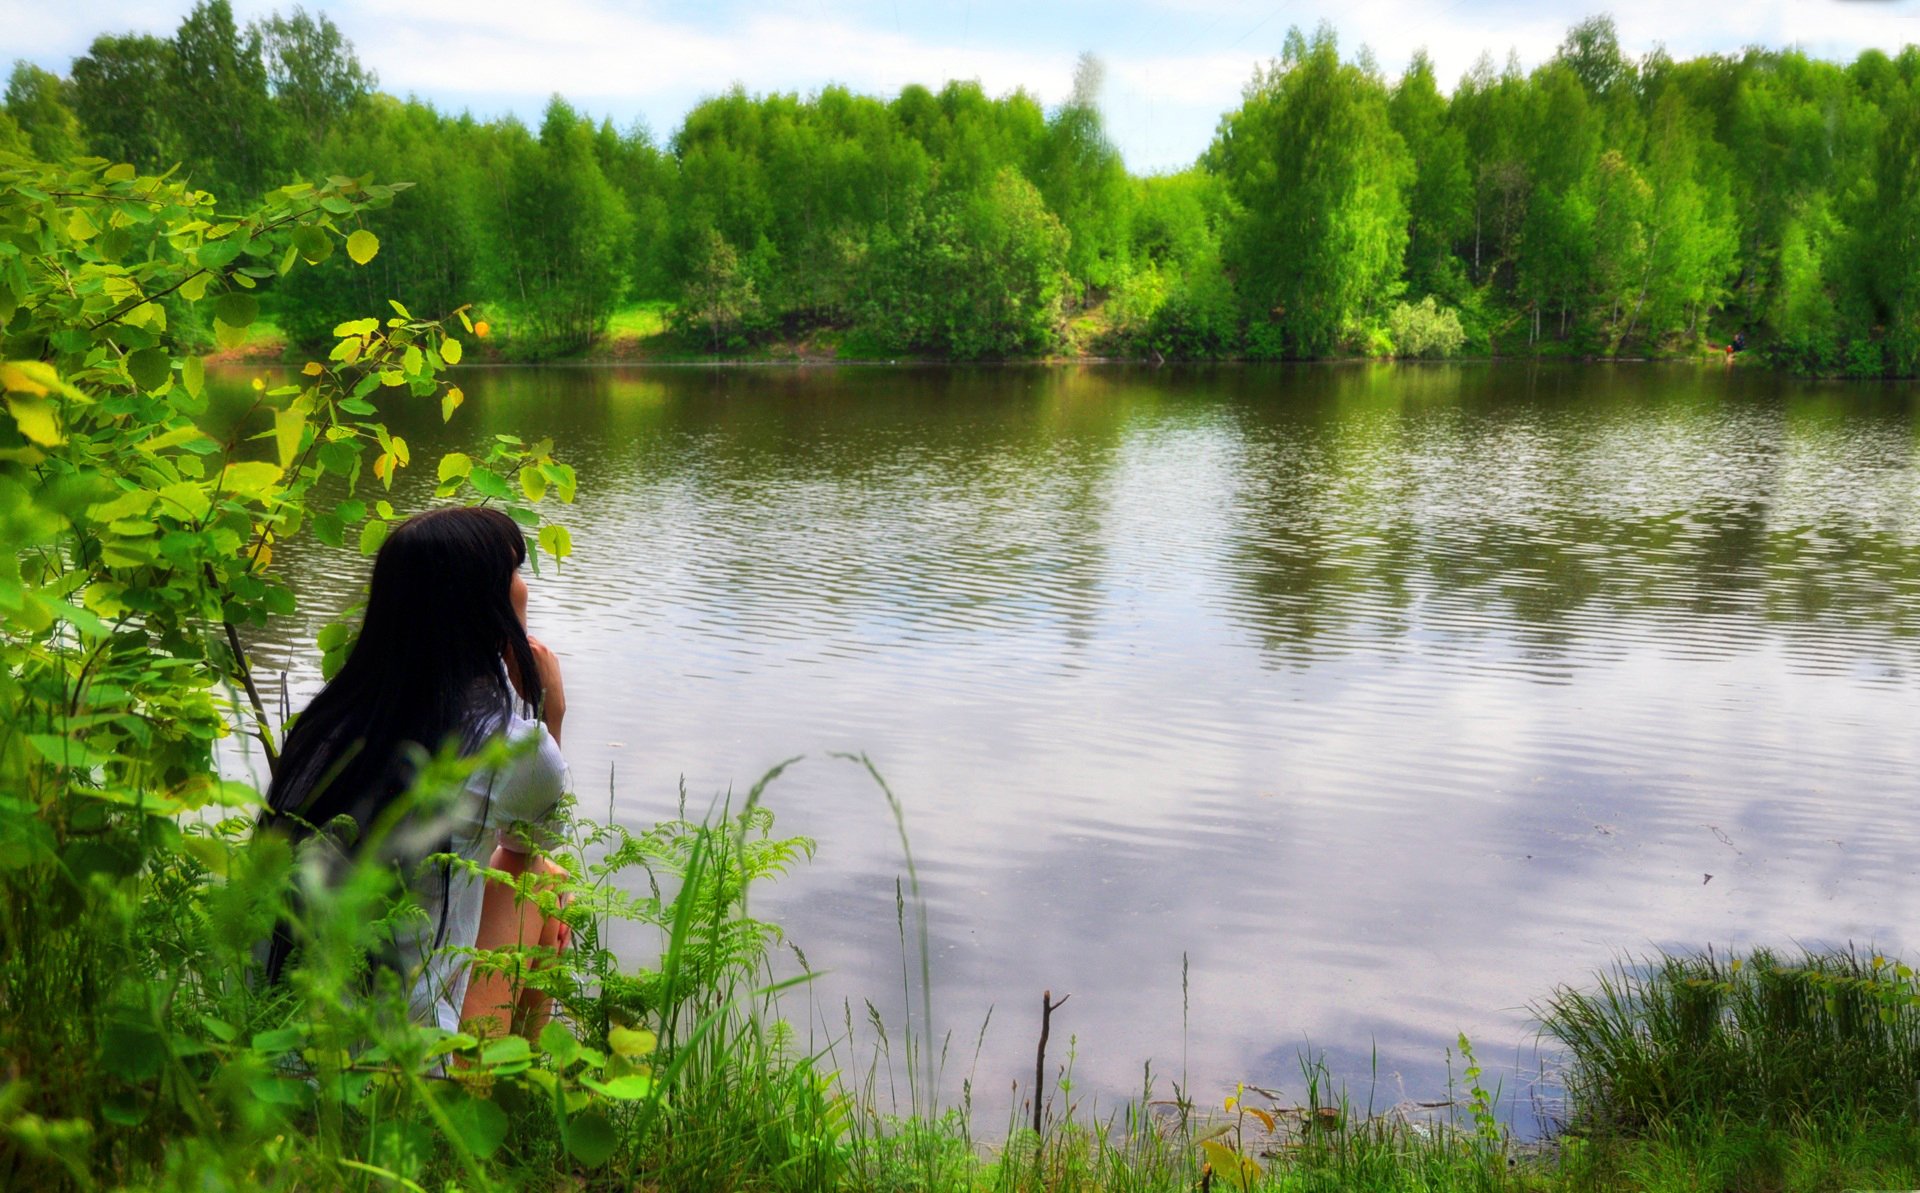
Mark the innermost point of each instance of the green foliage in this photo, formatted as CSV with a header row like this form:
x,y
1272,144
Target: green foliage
x,y
37,102
140,523
983,275
1319,175
1425,329
558,256
1597,204
1759,1039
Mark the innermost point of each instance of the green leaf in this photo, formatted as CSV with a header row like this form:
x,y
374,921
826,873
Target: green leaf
x,y
251,478
455,464
559,1043
372,535
591,1139
450,350
481,1125
362,245
628,1088
451,402
130,503
193,372
281,1039
329,530
489,483
215,254
65,751
555,541
280,1091
532,483
236,308
631,1042
80,226
186,501
34,417
356,327
313,244
150,368
508,1050
287,427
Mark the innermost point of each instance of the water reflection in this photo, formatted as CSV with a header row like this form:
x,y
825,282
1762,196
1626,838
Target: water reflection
x,y
1387,696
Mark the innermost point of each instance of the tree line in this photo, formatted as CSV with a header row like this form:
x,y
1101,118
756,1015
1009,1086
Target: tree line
x,y
1598,204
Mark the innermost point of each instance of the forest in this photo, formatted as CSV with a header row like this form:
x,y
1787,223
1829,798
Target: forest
x,y
1597,205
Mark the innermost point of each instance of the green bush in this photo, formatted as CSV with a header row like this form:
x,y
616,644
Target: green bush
x,y
1425,329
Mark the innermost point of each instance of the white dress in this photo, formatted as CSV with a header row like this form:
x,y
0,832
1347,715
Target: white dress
x,y
523,793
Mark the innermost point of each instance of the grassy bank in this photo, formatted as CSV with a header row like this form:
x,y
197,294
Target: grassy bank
x,y
644,332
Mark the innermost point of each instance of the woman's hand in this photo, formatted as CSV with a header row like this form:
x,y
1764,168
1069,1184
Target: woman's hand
x,y
553,692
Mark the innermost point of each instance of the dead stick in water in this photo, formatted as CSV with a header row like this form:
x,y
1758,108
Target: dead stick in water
x,y
1047,1008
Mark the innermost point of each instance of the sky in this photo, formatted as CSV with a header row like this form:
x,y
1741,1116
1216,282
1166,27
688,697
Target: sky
x,y
1172,67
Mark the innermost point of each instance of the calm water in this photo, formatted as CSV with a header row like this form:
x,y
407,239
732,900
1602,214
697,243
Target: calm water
x,y
1388,697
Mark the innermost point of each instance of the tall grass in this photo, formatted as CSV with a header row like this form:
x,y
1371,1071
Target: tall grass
x,y
1763,1039
687,1072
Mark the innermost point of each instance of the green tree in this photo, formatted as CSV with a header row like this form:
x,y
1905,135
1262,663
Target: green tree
x,y
221,110
37,102
119,89
311,72
561,243
1080,174
431,238
1893,236
1556,239
1440,201
718,296
980,275
1319,174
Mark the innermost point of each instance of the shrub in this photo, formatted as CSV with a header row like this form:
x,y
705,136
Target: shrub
x,y
1425,329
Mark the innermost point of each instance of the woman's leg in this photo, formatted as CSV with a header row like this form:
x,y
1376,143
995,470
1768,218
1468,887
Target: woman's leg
x,y
507,921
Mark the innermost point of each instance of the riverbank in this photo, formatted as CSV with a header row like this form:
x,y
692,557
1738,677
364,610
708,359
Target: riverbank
x,y
642,333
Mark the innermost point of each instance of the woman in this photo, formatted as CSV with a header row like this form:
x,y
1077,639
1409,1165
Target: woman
x,y
442,654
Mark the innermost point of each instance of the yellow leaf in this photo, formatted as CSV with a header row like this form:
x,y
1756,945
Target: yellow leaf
x,y
287,426
193,372
123,172
450,350
173,438
362,245
455,464
314,368
629,1042
400,451
263,559
451,402
195,288
1222,1156
27,377
34,416
251,477
80,226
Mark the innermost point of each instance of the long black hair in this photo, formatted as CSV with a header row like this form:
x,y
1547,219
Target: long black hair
x,y
428,667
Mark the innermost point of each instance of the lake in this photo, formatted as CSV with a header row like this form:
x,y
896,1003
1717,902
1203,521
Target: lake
x,y
1368,701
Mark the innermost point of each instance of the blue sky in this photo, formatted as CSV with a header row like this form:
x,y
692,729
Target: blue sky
x,y
1172,68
